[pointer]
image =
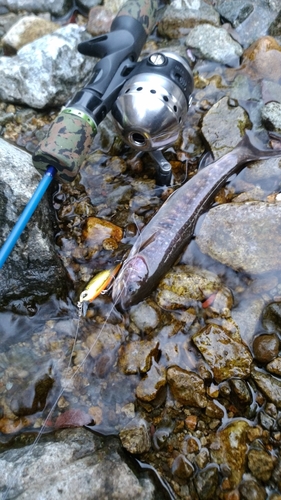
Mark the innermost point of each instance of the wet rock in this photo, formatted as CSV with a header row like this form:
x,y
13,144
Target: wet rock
x,y
215,44
271,317
229,447
96,231
86,5
176,21
269,386
206,483
109,341
135,437
263,58
152,384
52,66
55,465
266,347
137,356
251,490
214,411
26,30
230,232
184,284
246,315
270,114
228,357
235,11
186,387
182,468
241,390
217,131
37,274
56,7
260,464
258,21
145,317
274,366
32,399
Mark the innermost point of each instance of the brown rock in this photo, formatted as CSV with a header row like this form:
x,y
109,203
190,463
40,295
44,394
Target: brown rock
x,y
137,356
150,386
260,464
266,347
226,356
135,437
262,58
25,31
187,387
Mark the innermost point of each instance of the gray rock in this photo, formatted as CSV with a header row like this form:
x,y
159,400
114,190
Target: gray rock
x,y
270,114
179,19
33,269
87,4
223,126
269,386
215,44
245,237
235,11
76,464
26,30
47,71
56,7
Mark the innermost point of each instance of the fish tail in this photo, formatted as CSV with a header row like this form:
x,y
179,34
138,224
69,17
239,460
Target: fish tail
x,y
261,147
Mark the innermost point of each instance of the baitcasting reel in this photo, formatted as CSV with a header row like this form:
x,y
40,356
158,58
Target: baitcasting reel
x,y
152,105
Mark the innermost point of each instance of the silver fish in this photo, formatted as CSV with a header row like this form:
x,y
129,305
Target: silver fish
x,y
163,239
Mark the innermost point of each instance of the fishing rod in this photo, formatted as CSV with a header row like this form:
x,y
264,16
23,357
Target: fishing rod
x,y
161,83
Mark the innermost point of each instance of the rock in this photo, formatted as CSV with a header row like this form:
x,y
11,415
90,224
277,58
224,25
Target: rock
x,y
271,317
229,233
136,356
246,315
135,437
99,21
235,11
87,4
269,386
57,464
274,366
229,447
56,7
263,59
182,468
227,357
152,384
53,69
96,231
26,30
270,114
251,490
241,390
186,387
33,264
266,347
206,482
185,284
223,127
260,464
177,21
145,317
214,43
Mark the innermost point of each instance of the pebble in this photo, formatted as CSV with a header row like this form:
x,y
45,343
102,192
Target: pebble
x,y
182,468
187,387
251,490
266,347
261,464
228,357
26,30
269,386
135,436
136,356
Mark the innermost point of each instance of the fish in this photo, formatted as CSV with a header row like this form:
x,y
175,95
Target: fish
x,y
164,238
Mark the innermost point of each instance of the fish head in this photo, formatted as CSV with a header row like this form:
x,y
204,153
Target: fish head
x,y
129,286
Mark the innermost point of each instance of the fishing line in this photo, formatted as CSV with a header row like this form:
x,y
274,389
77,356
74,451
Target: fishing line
x,y
49,415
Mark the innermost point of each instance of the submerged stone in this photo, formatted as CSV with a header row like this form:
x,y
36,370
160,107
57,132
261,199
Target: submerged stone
x,y
227,356
187,387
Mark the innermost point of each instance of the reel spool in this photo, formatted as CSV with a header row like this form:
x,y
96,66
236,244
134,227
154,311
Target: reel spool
x,y
152,106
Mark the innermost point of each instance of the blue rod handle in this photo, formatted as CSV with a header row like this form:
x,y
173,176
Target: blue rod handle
x,y
26,214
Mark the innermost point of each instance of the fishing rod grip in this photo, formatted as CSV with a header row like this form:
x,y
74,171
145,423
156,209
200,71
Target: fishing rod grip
x,y
70,136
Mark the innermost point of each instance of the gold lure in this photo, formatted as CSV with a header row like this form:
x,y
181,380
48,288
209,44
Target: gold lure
x,y
98,284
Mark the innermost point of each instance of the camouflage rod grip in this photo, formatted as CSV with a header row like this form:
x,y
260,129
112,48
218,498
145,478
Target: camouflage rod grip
x,y
66,144
144,11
